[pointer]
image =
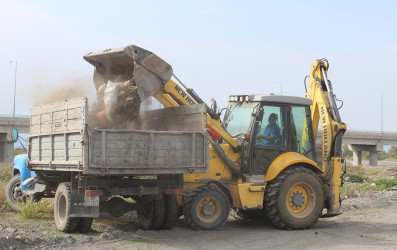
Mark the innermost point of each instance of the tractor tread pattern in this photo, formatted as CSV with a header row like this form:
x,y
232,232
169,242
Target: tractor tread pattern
x,y
193,221
273,190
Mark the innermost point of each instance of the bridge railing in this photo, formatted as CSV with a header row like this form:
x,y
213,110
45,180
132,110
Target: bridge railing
x,y
16,116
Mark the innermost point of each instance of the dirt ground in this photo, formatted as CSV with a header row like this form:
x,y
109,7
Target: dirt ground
x,y
367,223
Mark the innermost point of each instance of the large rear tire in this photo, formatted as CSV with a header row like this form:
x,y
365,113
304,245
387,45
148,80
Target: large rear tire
x,y
63,221
206,208
14,193
151,214
294,199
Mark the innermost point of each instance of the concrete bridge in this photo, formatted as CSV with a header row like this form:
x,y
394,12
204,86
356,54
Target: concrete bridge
x,y
370,141
358,140
7,123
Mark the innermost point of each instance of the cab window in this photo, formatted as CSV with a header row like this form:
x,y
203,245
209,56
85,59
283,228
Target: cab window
x,y
301,132
271,130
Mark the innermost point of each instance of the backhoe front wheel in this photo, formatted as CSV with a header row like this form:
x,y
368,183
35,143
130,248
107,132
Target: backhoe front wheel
x,y
294,199
206,208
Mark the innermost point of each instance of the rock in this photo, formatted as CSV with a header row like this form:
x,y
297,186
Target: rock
x,y
105,236
10,230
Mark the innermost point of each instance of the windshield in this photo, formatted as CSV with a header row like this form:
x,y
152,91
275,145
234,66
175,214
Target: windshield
x,y
238,118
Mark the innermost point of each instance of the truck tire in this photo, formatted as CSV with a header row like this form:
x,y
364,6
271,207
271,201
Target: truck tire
x,y
63,221
84,224
14,193
151,214
259,215
170,210
294,199
206,208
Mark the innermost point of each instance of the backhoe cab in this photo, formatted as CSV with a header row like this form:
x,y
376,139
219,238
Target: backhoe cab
x,y
247,117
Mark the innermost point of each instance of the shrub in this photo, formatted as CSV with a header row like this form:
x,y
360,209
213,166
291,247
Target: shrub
x,y
384,184
357,178
3,201
5,174
35,210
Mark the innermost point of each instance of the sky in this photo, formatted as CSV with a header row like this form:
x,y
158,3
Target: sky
x,y
218,48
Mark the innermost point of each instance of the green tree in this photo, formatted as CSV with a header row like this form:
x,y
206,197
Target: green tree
x,y
346,152
382,155
392,154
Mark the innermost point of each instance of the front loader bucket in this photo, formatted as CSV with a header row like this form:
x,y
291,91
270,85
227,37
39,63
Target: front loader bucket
x,y
148,70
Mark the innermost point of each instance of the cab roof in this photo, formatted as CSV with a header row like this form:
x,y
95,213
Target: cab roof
x,y
279,99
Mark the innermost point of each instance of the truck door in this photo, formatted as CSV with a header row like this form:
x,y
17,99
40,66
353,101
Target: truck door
x,y
273,125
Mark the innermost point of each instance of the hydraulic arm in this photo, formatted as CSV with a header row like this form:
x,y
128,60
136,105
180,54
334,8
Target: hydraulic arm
x,y
324,110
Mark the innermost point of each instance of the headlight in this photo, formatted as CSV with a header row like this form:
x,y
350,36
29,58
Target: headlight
x,y
231,98
241,98
247,98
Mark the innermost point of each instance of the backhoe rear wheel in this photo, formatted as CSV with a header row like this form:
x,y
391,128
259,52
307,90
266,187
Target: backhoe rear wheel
x,y
206,208
294,199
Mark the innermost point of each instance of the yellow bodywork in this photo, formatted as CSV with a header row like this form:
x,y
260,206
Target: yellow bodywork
x,y
286,160
248,195
324,112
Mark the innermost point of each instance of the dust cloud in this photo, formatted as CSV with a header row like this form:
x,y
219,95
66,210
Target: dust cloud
x,y
46,91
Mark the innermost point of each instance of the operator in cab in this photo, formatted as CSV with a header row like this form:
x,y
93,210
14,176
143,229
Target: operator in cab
x,y
272,131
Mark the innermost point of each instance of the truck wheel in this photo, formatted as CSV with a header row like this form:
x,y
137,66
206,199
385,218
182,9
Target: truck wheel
x,y
14,193
206,208
256,215
84,224
294,199
63,221
151,214
170,211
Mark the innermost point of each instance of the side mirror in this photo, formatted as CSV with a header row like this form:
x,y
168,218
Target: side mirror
x,y
14,135
213,105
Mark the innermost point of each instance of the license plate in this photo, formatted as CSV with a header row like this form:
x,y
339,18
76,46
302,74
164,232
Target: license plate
x,y
91,201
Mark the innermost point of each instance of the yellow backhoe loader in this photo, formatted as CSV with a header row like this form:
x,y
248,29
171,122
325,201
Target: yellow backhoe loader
x,y
262,156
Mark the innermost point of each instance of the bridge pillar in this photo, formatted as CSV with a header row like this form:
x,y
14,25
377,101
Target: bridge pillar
x,y
357,157
373,153
6,149
373,158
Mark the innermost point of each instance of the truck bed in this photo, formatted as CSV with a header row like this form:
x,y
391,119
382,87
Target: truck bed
x,y
61,140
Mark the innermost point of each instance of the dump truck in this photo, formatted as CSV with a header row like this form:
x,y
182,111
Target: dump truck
x,y
89,170
279,175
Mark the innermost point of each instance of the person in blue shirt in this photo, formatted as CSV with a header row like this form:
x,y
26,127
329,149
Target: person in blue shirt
x,y
272,131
